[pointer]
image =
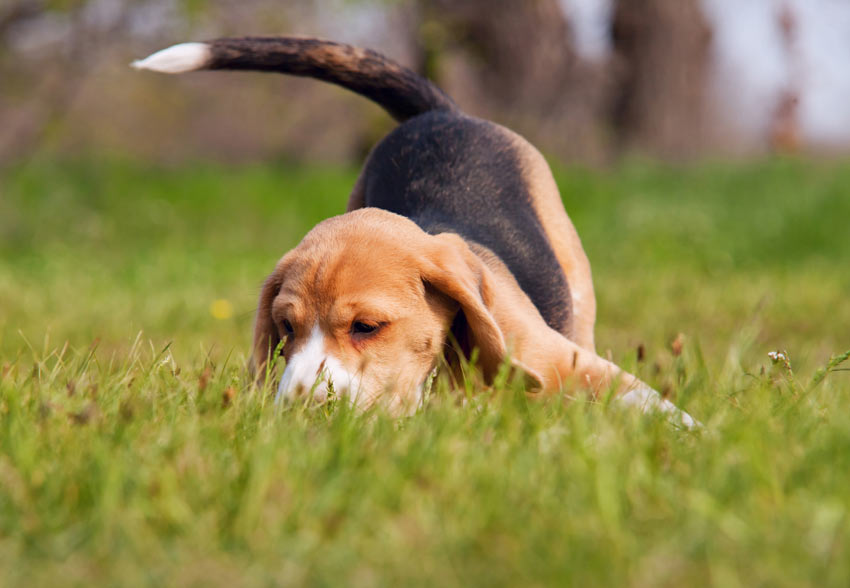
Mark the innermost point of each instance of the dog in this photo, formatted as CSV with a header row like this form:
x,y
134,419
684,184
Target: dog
x,y
455,245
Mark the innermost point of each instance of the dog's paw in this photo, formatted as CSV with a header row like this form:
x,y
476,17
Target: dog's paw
x,y
648,400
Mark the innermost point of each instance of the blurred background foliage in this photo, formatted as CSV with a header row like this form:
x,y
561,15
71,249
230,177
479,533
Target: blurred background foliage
x,y
586,80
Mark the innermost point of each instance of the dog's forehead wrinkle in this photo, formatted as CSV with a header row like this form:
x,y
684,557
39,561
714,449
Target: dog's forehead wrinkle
x,y
336,299
379,307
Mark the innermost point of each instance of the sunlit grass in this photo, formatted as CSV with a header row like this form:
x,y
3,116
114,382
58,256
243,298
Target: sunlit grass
x,y
134,449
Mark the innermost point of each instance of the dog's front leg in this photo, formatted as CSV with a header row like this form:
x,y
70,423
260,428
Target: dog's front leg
x,y
561,363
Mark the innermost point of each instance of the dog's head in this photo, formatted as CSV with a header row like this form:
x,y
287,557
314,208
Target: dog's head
x,y
364,305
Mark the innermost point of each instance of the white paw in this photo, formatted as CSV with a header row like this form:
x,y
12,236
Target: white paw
x,y
647,400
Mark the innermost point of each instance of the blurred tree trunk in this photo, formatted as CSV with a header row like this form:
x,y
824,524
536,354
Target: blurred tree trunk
x,y
662,50
56,79
15,12
524,68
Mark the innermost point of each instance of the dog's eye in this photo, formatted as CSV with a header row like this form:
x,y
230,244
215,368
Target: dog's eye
x,y
362,329
287,328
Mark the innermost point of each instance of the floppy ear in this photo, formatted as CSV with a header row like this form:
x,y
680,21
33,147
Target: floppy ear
x,y
266,336
490,312
455,271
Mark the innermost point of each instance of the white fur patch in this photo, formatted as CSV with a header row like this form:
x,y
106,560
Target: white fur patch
x,y
648,400
312,371
177,58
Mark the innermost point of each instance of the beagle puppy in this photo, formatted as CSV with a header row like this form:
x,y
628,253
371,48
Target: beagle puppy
x,y
455,244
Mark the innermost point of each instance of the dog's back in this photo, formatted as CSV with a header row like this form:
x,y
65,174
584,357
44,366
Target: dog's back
x,y
451,173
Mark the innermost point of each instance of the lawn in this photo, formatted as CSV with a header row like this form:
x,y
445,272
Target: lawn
x,y
134,449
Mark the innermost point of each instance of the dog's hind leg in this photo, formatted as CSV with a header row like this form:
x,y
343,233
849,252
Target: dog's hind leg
x,y
565,242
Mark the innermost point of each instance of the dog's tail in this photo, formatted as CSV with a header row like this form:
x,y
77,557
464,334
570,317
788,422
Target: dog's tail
x,y
397,89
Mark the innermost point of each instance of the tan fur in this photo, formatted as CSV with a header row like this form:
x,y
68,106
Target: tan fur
x,y
562,235
559,229
332,279
552,359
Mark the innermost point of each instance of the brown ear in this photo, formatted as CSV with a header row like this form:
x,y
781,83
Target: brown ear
x,y
454,270
266,336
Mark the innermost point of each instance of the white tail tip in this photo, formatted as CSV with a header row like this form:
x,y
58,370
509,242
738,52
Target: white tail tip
x,y
177,59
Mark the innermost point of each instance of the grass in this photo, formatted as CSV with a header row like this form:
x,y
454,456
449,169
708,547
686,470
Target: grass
x,y
134,451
